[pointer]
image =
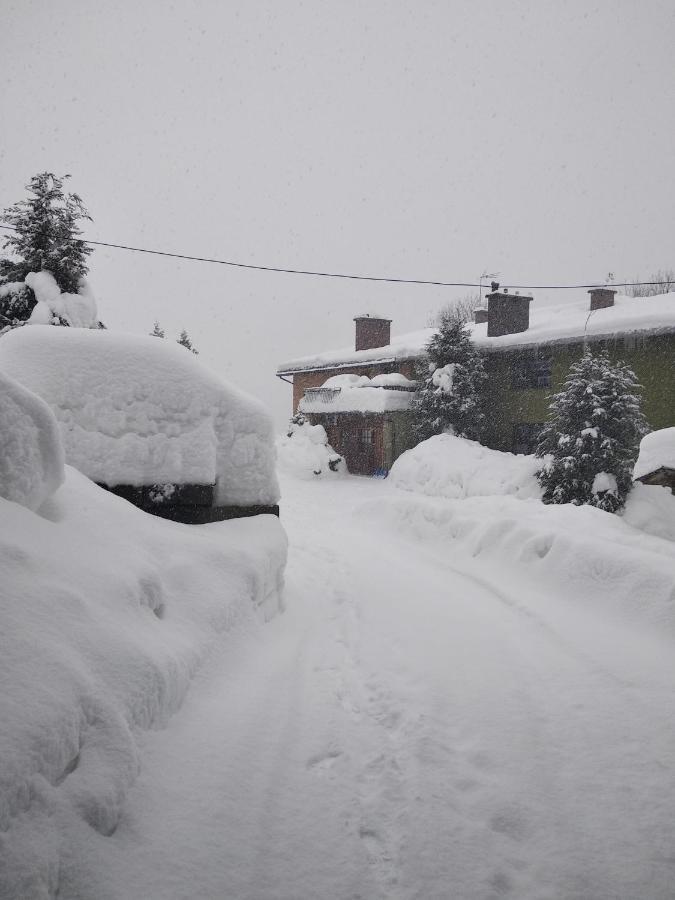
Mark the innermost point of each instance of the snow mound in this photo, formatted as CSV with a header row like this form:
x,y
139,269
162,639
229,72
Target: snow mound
x,y
77,310
651,508
579,552
657,451
31,453
140,411
107,614
346,381
306,453
453,467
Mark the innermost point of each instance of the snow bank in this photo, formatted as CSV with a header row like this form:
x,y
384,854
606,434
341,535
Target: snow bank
x,y
579,552
453,467
138,410
651,508
657,451
31,453
78,310
106,614
306,453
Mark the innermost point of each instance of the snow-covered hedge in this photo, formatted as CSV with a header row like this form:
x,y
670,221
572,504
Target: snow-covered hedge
x,y
137,410
31,453
105,616
305,452
453,467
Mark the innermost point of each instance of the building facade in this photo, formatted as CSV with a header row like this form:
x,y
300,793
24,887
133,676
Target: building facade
x,y
528,351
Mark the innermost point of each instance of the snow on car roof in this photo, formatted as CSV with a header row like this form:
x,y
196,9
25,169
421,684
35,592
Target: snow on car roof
x,y
140,410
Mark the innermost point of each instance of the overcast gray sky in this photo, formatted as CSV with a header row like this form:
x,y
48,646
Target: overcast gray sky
x,y
423,140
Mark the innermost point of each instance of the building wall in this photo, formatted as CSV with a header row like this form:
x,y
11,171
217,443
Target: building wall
x,y
652,359
390,434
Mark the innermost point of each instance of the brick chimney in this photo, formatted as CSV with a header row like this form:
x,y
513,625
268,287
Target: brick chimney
x,y
507,313
601,298
372,332
480,315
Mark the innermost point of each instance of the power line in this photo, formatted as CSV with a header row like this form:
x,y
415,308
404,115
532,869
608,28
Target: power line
x,y
350,277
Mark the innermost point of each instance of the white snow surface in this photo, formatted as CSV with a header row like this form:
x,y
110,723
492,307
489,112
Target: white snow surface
x,y
565,322
657,451
455,468
305,452
79,310
31,452
358,398
651,508
138,410
107,615
464,699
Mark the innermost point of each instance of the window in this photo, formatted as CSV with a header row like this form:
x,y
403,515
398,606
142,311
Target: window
x,y
526,436
367,437
530,371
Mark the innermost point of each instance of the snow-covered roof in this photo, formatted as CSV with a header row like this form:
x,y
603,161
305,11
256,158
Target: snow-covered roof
x,y
567,321
140,410
356,399
657,451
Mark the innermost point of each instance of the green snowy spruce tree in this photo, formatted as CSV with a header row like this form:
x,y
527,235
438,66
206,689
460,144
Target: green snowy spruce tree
x,y
591,439
449,397
157,331
45,236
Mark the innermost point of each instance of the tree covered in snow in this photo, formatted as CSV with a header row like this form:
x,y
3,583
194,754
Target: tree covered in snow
x,y
185,341
591,440
46,234
157,331
449,396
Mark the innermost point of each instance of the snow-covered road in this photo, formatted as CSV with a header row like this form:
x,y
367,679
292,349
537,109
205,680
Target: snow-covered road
x,y
412,726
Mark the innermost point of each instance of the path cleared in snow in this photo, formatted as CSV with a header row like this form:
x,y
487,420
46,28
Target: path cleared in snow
x,y
413,726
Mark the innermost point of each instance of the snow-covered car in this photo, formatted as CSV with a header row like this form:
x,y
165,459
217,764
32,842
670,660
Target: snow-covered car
x,y
145,419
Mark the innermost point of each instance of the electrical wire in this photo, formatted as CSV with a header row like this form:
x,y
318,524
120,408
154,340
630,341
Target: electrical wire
x,y
351,277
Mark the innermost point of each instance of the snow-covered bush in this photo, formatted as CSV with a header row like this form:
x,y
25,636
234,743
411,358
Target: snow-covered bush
x,y
591,438
453,467
305,450
137,411
31,453
449,393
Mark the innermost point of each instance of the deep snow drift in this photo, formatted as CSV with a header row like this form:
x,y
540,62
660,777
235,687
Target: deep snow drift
x,y
107,614
140,410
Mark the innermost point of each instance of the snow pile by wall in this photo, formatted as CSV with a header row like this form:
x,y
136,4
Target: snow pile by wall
x,y
306,453
137,410
31,453
453,467
657,451
106,614
78,310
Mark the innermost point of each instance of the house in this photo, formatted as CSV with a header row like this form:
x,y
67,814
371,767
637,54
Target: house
x,y
528,352
143,418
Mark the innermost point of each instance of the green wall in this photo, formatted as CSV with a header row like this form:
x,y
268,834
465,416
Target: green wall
x,y
651,357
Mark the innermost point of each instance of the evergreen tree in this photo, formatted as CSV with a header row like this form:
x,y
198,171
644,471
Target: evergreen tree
x,y
593,434
449,397
185,341
158,331
46,234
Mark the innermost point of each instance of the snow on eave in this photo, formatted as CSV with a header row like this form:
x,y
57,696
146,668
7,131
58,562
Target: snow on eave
x,y
569,322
